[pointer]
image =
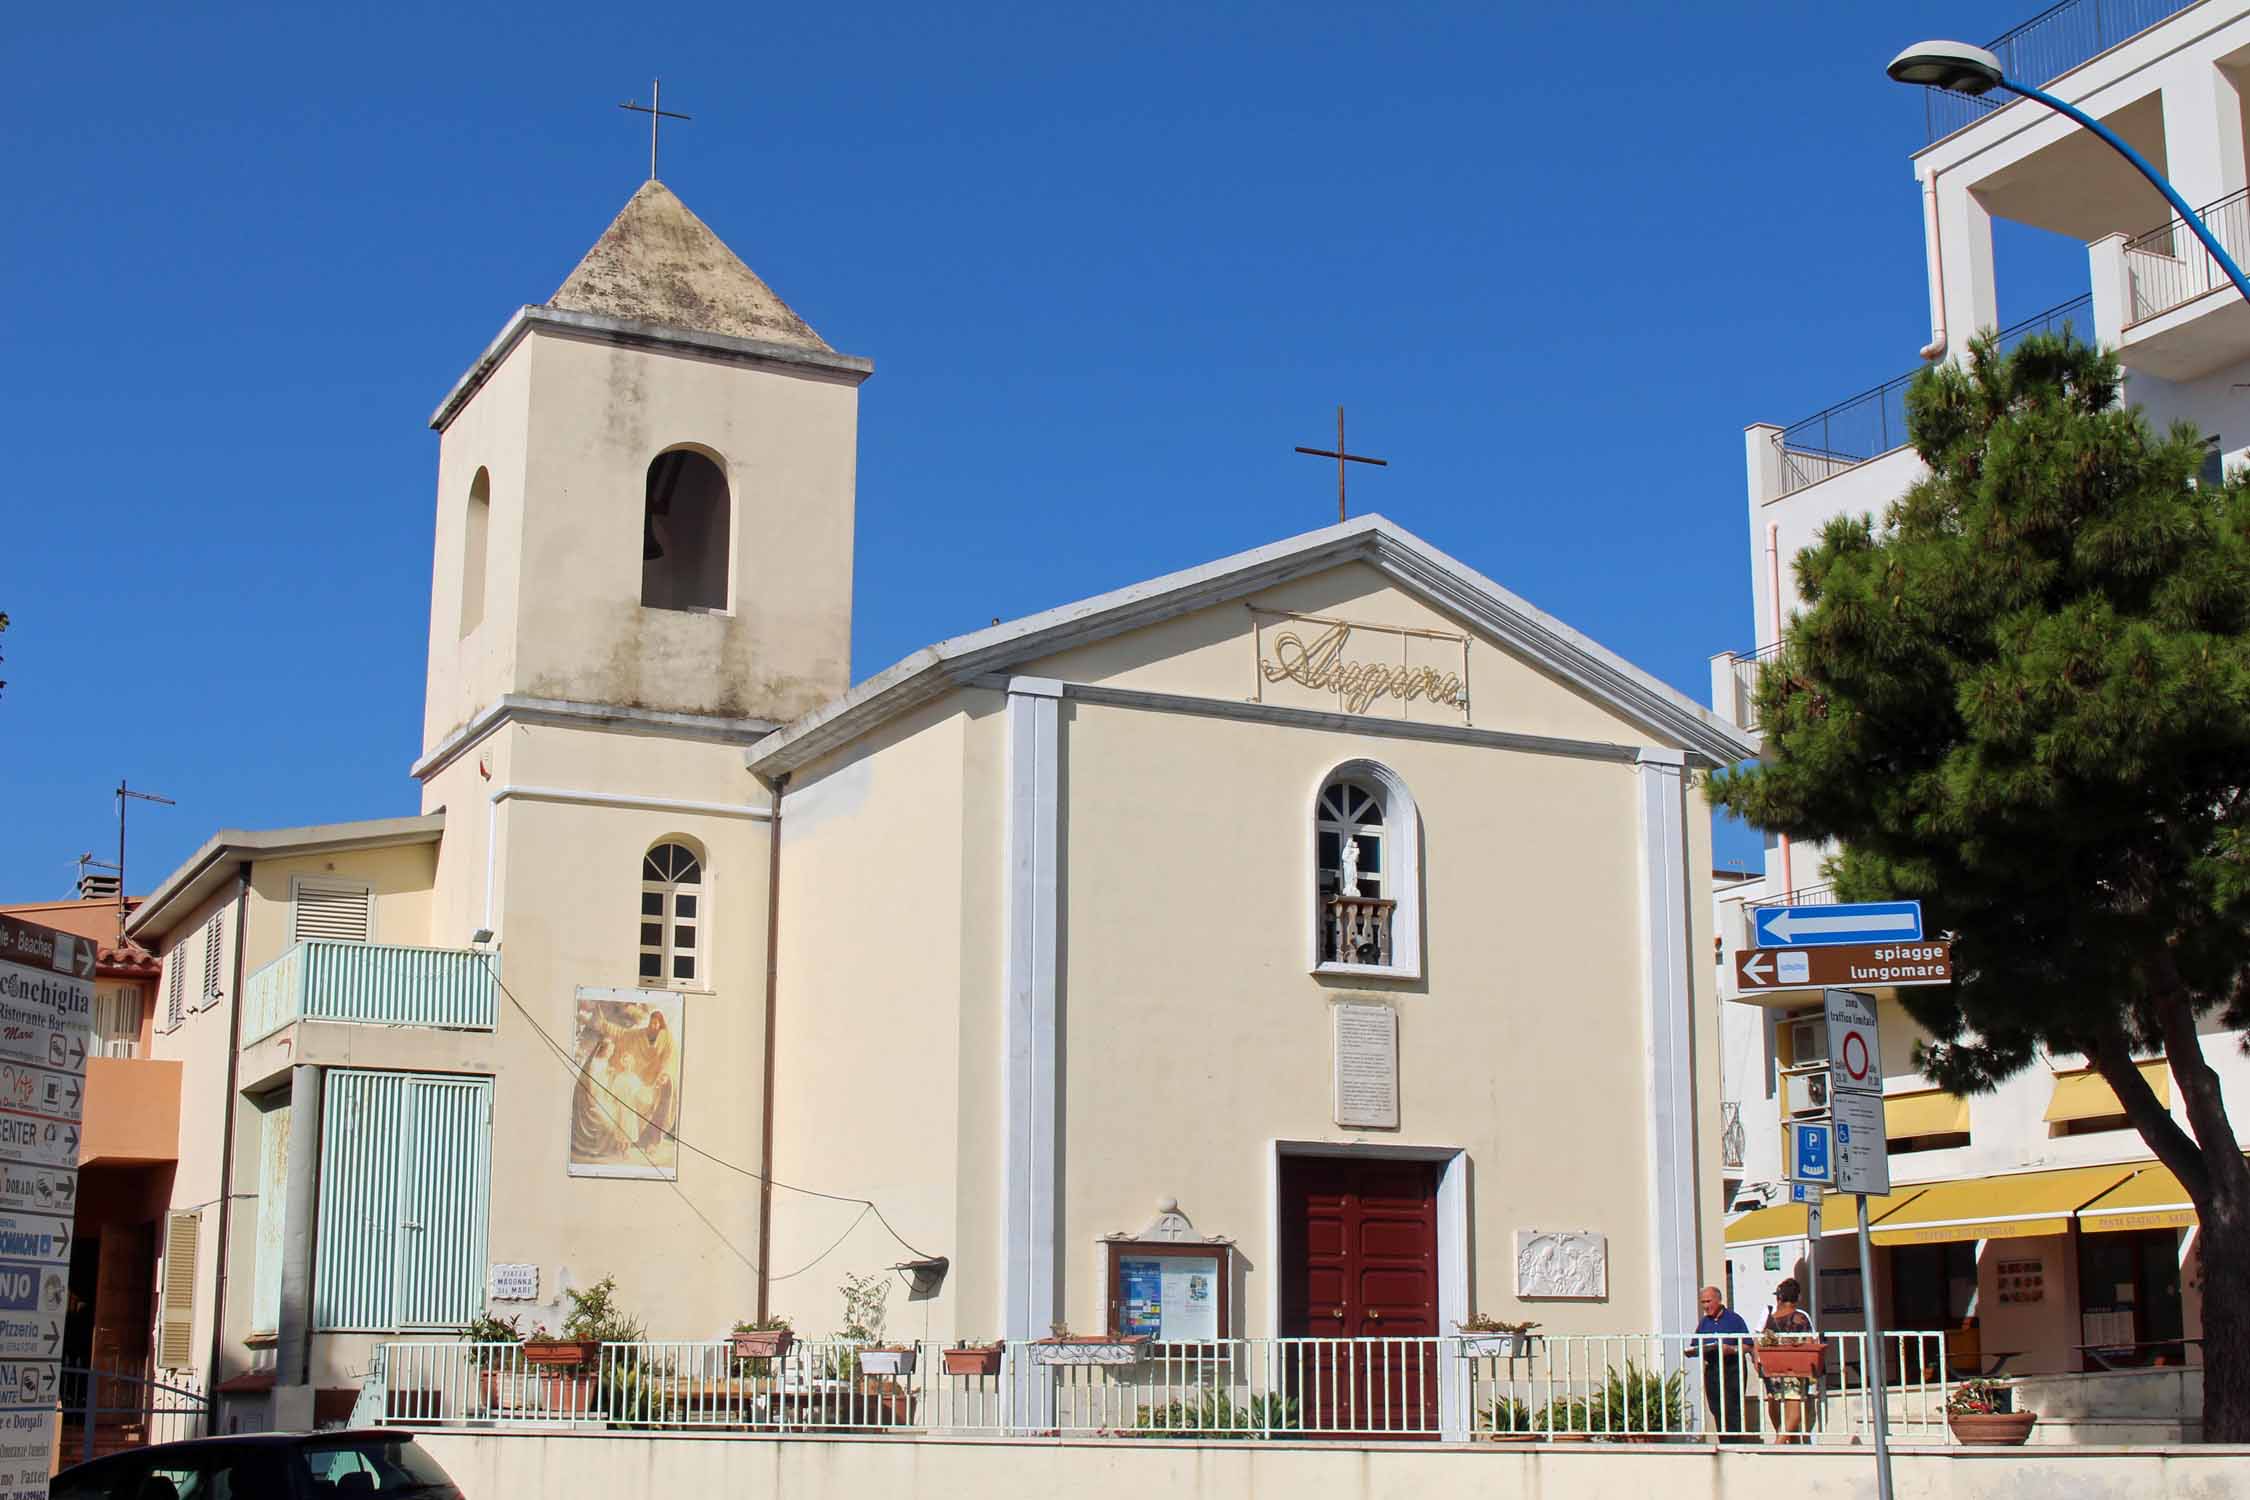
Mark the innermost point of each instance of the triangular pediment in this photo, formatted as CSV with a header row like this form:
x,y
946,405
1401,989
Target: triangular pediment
x,y
1630,699
658,263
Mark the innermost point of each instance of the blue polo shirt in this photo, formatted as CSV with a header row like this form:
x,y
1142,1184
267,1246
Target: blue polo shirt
x,y
1728,1321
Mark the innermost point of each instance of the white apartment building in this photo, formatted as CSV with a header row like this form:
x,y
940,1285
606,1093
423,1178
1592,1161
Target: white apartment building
x,y
2032,1222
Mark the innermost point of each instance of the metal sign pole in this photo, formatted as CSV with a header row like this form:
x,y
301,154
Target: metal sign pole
x,y
1873,1368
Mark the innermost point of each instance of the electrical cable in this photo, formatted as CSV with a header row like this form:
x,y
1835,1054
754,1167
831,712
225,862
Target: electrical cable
x,y
867,1205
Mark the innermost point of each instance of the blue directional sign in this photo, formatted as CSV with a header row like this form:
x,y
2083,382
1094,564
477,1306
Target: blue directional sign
x,y
1830,926
1811,1154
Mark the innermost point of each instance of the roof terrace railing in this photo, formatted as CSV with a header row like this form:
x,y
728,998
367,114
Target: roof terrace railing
x,y
1873,423
2044,48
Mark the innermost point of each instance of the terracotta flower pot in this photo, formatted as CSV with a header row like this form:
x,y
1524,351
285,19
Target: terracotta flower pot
x,y
973,1359
1992,1429
1791,1361
560,1351
762,1343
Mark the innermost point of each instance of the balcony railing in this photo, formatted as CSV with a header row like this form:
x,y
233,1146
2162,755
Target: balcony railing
x,y
1822,894
1873,423
1357,930
1614,1387
2168,266
375,984
1744,672
2044,48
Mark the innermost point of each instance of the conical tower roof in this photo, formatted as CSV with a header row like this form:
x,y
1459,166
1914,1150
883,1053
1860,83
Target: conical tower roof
x,y
658,263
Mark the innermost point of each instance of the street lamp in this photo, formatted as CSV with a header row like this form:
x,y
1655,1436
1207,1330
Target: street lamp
x,y
1964,69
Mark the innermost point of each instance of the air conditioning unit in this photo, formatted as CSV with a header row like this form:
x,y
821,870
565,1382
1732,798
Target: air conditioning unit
x,y
1807,1038
1804,1093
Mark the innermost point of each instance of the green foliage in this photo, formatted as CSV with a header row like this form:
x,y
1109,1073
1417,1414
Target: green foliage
x,y
1215,1414
596,1317
1979,1397
2023,697
1507,1414
865,1310
1639,1400
487,1329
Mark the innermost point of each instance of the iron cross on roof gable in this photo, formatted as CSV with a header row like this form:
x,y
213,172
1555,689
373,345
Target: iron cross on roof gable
x,y
656,118
1342,458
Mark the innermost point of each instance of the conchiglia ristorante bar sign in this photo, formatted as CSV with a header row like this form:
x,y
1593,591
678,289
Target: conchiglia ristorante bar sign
x,y
1307,661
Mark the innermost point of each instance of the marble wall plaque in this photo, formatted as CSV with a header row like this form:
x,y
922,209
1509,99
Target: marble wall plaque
x,y
1562,1263
1366,1066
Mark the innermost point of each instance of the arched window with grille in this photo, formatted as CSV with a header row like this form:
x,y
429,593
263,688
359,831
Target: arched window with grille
x,y
1366,872
672,950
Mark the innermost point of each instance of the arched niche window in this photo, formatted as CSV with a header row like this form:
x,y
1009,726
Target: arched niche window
x,y
476,527
1367,866
686,526
672,954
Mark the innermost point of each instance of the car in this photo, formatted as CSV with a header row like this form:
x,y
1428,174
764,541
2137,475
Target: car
x,y
264,1466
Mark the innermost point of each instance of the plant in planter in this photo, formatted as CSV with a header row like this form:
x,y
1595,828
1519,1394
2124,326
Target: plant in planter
x,y
1638,1405
1215,1414
1982,1413
1062,1347
1485,1337
555,1351
974,1359
493,1338
1566,1420
1798,1356
1511,1421
768,1338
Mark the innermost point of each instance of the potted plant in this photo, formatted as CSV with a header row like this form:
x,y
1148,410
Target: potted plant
x,y
1566,1420
1982,1413
1511,1421
973,1359
543,1348
768,1338
1062,1347
1800,1356
1639,1405
1492,1338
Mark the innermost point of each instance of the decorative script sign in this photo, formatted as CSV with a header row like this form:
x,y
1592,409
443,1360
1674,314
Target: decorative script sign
x,y
1339,658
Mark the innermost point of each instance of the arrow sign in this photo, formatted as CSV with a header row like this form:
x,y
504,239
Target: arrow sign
x,y
1866,965
1818,926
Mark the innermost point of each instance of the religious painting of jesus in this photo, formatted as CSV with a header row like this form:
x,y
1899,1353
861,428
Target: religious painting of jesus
x,y
625,1104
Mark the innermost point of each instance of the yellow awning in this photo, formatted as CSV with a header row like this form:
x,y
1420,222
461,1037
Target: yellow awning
x,y
1786,1221
1999,1208
1930,1112
2086,1095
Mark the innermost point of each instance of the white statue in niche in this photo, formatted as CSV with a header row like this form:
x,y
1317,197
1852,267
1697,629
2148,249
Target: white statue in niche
x,y
1347,879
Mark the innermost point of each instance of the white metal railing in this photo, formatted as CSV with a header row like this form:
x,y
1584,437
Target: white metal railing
x,y
1550,1388
380,984
1745,671
2168,266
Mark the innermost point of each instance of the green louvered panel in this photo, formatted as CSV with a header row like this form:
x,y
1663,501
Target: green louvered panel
x,y
405,1184
445,1196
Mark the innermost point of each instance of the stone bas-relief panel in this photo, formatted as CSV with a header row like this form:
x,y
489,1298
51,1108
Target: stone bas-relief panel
x,y
1562,1263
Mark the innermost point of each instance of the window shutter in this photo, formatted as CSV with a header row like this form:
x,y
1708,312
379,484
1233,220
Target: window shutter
x,y
175,987
175,1318
214,935
338,913
405,1194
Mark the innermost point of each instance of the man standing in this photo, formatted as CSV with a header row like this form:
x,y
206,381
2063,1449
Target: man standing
x,y
1722,1342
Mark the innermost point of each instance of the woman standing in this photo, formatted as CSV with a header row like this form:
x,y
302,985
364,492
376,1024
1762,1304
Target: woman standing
x,y
1786,1394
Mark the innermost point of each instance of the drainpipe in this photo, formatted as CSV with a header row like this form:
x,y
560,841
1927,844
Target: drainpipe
x,y
1935,348
1773,619
226,1133
773,977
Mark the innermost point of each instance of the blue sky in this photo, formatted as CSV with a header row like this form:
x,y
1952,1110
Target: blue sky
x,y
1111,264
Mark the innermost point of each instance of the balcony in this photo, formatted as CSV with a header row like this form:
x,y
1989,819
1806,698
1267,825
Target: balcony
x,y
1734,685
372,984
2180,315
1873,423
132,1111
2044,48
1357,930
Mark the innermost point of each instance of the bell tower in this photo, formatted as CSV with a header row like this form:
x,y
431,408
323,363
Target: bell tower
x,y
645,497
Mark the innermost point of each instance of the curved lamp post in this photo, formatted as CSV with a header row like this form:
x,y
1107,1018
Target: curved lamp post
x,y
1964,69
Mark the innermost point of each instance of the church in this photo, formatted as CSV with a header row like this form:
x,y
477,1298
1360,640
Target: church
x,y
1312,941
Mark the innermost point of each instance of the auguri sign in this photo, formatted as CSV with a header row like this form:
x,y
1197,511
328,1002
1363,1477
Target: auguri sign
x,y
1326,656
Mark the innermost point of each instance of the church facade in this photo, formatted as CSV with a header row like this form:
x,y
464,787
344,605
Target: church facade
x,y
1307,942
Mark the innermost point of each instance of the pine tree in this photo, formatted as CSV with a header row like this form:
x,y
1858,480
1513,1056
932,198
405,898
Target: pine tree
x,y
2022,696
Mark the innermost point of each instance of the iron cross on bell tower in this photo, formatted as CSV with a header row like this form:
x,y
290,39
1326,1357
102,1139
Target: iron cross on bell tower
x,y
1342,458
656,118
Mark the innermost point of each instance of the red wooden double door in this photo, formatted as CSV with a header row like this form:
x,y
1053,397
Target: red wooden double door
x,y
1358,1253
